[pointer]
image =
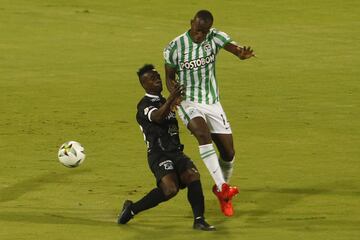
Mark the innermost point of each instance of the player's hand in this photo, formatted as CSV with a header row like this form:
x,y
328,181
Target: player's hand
x,y
175,97
176,91
245,52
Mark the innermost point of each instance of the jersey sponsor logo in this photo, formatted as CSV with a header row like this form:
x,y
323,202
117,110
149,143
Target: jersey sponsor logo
x,y
168,165
171,115
155,99
146,110
197,62
207,48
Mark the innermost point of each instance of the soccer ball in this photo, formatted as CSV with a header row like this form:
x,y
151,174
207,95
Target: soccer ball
x,y
71,154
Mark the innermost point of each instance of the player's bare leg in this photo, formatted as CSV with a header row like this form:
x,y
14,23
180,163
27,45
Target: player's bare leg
x,y
200,130
225,145
221,189
169,185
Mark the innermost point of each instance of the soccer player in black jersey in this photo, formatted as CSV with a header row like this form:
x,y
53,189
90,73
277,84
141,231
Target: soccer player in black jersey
x,y
172,169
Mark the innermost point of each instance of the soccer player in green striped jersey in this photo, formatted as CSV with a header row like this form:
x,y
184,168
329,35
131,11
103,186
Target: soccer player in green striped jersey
x,y
191,56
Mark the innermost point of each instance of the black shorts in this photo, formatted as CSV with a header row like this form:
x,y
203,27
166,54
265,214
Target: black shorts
x,y
162,163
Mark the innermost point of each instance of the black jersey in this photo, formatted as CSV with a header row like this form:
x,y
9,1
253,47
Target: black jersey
x,y
162,136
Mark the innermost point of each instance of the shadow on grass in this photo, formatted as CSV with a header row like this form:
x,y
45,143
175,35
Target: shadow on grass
x,y
49,218
269,200
17,190
269,203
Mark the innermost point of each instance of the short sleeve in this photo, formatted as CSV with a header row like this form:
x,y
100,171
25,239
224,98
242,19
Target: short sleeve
x,y
145,111
170,54
220,38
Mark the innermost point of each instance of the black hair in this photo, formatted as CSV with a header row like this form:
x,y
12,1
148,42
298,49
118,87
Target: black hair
x,y
204,15
144,69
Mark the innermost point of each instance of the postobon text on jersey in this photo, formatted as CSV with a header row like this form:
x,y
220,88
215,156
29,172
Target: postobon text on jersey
x,y
197,62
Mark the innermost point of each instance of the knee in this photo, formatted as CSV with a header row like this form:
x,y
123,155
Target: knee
x,y
200,130
190,176
170,191
203,137
228,155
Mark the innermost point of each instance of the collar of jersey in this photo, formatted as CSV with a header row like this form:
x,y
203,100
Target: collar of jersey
x,y
189,36
151,96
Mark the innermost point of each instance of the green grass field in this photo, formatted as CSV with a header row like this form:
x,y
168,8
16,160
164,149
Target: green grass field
x,y
67,72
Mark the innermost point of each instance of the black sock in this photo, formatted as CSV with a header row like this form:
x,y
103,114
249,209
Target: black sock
x,y
150,200
196,198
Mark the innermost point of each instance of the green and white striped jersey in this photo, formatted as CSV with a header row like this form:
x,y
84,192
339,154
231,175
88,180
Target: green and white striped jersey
x,y
195,64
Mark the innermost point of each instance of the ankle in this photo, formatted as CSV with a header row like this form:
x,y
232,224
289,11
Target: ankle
x,y
199,219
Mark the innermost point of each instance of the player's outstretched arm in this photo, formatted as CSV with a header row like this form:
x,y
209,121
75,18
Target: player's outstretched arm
x,y
241,52
159,115
170,73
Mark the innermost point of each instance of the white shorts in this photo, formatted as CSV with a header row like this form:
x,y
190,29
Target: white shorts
x,y
213,114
